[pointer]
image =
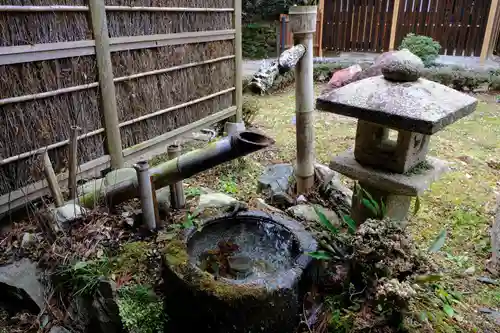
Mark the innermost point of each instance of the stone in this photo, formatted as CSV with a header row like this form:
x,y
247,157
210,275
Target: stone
x,y
275,179
494,164
58,329
92,186
28,240
402,66
120,175
412,184
307,213
492,314
344,76
20,287
261,205
215,203
163,199
373,147
422,106
63,216
339,196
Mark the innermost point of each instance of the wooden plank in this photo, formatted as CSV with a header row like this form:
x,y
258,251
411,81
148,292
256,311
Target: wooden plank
x,y
29,53
397,14
463,30
485,51
23,196
51,9
388,14
106,84
477,24
343,15
349,26
339,38
376,25
368,26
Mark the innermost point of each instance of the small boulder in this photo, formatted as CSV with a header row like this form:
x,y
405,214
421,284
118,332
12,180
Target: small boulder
x,y
307,213
120,175
402,66
63,216
344,76
28,240
275,180
163,199
92,186
216,204
20,288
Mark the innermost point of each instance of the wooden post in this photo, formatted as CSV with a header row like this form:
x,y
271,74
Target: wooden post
x,y
485,50
108,95
73,161
50,175
394,26
319,29
238,92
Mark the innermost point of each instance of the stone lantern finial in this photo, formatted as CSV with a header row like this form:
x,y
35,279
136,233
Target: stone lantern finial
x,y
392,170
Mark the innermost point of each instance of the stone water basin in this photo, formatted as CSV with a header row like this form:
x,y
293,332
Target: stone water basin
x,y
242,274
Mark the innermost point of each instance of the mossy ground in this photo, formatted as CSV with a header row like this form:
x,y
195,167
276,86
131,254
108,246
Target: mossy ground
x,y
462,201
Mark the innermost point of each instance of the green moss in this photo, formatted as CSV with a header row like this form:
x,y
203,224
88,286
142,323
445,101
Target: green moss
x,y
420,168
131,257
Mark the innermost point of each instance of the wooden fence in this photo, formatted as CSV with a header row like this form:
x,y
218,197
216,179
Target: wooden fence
x,y
133,78
462,27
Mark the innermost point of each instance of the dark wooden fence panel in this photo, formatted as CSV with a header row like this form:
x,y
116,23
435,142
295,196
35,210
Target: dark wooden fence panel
x,y
458,25
357,25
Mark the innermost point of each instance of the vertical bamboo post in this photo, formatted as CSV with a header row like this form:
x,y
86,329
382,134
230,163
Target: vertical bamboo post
x,y
177,197
394,25
485,50
108,95
52,180
303,27
73,161
238,92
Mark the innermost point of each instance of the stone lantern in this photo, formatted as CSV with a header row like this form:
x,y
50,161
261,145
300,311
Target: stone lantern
x,y
394,171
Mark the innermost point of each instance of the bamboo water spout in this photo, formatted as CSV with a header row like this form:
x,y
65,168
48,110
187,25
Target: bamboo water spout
x,y
185,166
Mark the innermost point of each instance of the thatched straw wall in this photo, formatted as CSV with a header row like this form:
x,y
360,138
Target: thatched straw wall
x,y
37,123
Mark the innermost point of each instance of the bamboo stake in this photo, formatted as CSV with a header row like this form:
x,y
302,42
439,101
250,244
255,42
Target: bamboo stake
x,y
238,93
52,180
108,95
73,161
304,108
177,197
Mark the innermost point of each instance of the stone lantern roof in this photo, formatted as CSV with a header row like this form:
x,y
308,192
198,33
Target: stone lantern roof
x,y
403,101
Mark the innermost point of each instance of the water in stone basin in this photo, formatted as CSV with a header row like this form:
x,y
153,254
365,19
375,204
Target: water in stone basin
x,y
253,251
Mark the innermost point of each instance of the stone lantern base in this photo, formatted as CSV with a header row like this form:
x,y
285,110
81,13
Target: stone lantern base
x,y
395,190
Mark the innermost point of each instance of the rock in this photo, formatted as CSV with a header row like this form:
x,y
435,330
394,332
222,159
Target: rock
x,y
163,199
58,329
307,213
28,240
344,76
92,186
215,203
63,216
332,190
470,271
275,180
106,316
120,175
260,204
301,199
20,288
492,314
402,66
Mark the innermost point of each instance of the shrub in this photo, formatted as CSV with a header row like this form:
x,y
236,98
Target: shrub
x,y
258,41
459,78
422,46
494,83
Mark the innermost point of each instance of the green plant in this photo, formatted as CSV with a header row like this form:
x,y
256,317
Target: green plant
x,y
192,192
228,185
424,47
140,309
83,277
258,40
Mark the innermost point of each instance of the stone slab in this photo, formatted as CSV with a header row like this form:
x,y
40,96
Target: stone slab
x,y
422,106
399,184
